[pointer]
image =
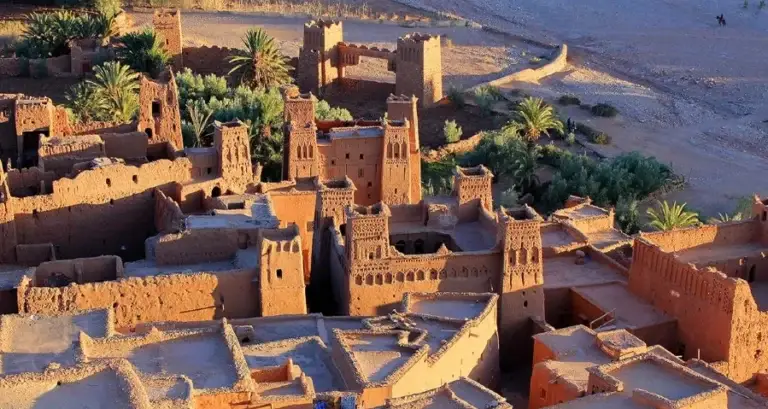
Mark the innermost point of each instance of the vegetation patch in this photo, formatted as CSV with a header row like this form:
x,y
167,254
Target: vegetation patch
x,y
569,100
604,110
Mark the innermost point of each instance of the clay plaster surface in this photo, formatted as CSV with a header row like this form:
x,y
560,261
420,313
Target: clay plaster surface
x,y
378,356
288,388
655,378
100,390
562,272
602,401
450,308
630,311
557,237
760,293
307,353
32,342
148,268
703,255
581,212
280,328
204,358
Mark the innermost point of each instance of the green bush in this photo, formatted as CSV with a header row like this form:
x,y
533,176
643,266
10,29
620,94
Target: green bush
x,y
601,139
108,8
143,51
569,100
570,139
629,175
437,177
48,34
451,132
457,98
627,215
604,110
324,112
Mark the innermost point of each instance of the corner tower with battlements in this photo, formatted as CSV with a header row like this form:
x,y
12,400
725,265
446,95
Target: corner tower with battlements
x,y
167,23
419,67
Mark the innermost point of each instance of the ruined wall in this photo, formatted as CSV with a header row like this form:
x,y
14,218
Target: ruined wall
x,y
159,115
82,270
107,210
98,127
548,389
168,215
27,181
375,288
60,155
702,300
207,60
60,66
749,341
177,297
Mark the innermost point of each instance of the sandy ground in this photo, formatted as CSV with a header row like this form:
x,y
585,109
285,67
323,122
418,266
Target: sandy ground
x,y
475,57
692,93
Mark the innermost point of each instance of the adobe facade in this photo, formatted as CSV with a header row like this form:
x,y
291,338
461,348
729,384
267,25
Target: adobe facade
x,y
416,62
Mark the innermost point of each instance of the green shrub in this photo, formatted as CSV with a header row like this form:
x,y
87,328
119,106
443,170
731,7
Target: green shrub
x,y
569,100
108,8
86,103
451,132
570,139
324,112
627,175
604,110
585,107
508,198
437,177
600,139
143,51
457,98
627,215
48,34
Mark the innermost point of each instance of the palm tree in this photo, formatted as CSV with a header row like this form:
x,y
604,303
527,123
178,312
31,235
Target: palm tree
x,y
725,218
667,217
537,118
199,117
86,102
260,64
524,168
143,52
117,84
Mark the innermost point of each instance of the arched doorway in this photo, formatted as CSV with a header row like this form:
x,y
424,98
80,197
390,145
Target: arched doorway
x,y
752,272
216,192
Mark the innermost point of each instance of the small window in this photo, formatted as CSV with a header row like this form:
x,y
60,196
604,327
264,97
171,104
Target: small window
x,y
209,170
370,184
310,225
155,108
109,182
135,178
765,215
347,156
543,393
280,273
359,173
148,131
333,162
361,156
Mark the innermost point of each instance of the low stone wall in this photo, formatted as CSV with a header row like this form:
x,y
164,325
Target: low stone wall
x,y
14,67
463,146
557,64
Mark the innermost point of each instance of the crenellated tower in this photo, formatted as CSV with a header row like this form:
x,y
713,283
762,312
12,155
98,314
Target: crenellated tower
x,y
300,152
319,55
167,23
395,168
402,108
281,272
472,187
367,233
233,148
522,278
419,67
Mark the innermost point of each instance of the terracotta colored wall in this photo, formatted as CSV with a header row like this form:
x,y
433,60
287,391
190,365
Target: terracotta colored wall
x,y
376,288
298,208
26,181
168,24
164,120
81,271
107,210
360,160
168,215
177,297
98,128
281,278
548,389
196,246
474,354
127,145
702,301
727,233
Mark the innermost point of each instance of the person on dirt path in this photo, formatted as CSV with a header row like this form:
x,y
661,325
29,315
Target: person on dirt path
x,y
722,20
